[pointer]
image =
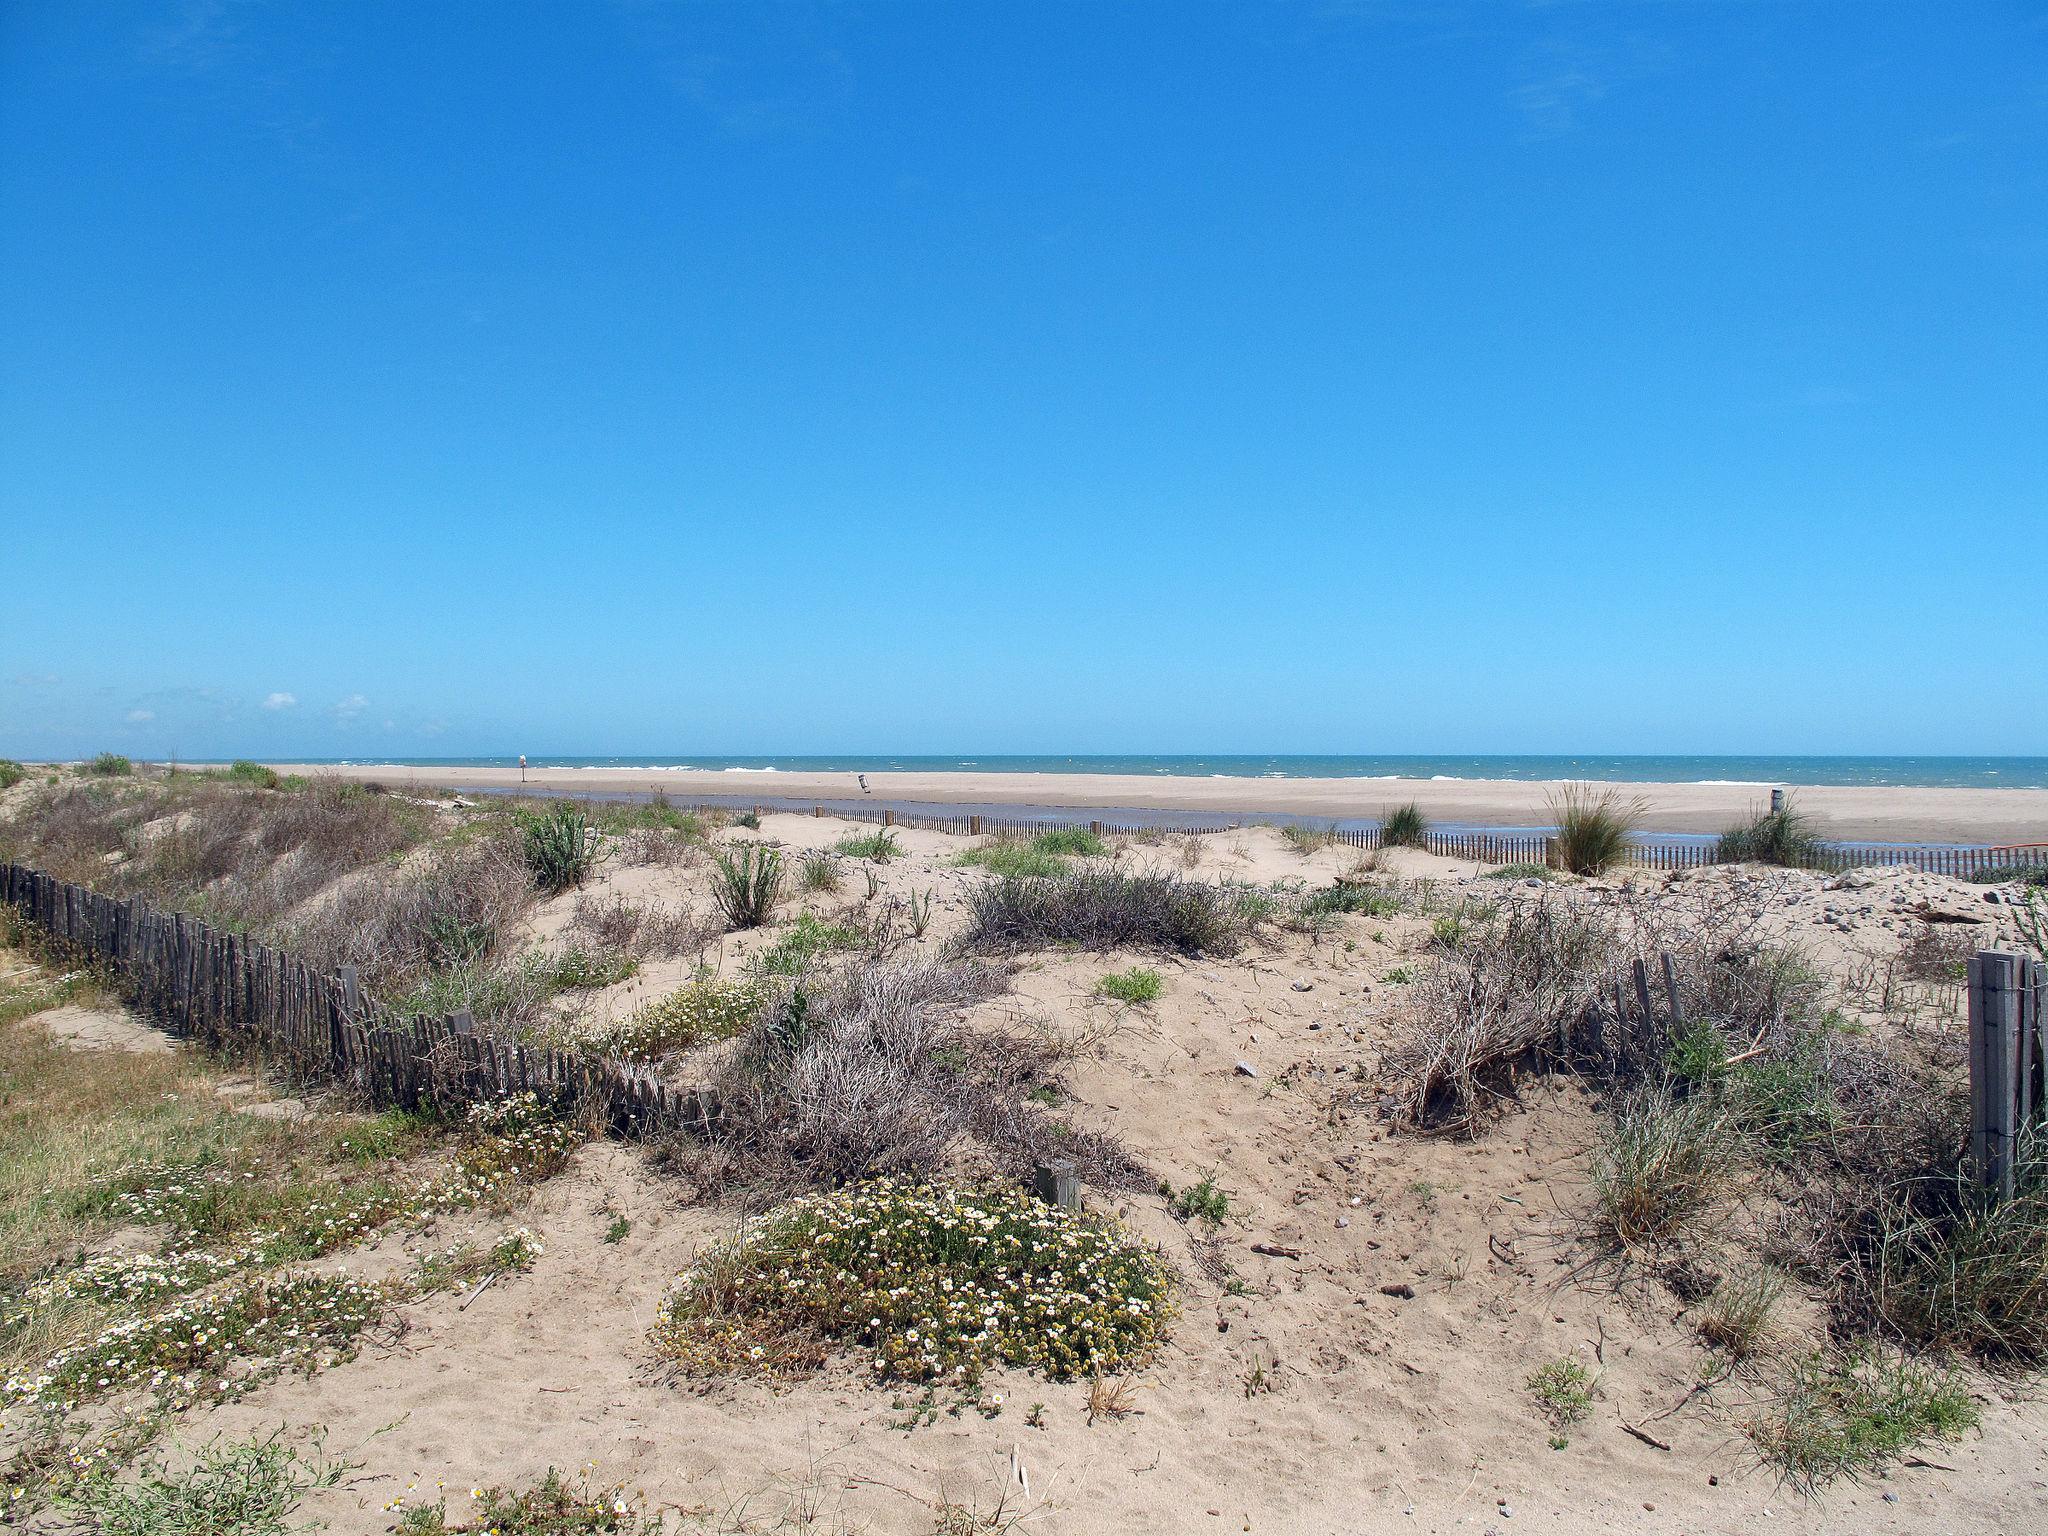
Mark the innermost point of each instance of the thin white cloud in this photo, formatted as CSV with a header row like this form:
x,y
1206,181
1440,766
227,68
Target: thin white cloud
x,y
280,700
350,707
141,716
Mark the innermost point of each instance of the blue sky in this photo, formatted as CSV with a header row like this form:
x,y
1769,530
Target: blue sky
x,y
387,379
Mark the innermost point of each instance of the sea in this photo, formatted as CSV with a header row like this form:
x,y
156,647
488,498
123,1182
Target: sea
x,y
1939,772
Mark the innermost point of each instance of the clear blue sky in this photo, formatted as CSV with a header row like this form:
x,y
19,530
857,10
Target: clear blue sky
x,y
477,378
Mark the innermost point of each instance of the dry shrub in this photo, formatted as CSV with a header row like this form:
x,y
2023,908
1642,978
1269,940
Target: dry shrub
x,y
1519,988
395,926
1939,951
618,924
870,1070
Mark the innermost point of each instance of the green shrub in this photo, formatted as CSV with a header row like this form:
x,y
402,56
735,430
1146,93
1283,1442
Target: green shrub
x,y
110,765
559,846
242,771
1097,908
1078,841
939,1283
1845,1414
577,969
1771,837
1984,874
880,846
1593,827
11,773
750,820
1360,896
696,1013
1522,872
749,884
802,942
1137,985
1404,827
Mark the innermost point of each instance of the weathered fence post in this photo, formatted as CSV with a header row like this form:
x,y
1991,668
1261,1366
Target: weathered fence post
x,y
1777,801
1056,1183
974,826
1995,1012
888,817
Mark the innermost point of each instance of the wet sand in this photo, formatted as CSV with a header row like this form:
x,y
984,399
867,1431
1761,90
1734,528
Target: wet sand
x,y
1860,813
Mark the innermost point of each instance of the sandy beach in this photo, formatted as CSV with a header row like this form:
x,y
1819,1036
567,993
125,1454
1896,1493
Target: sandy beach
x,y
1869,814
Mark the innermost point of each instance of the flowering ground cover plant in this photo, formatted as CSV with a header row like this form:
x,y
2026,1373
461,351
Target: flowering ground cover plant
x,y
939,1283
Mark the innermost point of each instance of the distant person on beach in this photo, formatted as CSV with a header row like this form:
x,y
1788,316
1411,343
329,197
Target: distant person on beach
x,y
863,782
522,767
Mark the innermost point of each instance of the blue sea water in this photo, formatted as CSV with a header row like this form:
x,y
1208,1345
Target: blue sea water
x,y
1944,772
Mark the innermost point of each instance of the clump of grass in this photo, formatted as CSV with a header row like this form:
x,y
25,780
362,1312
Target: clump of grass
x,y
1305,839
1015,861
1593,827
11,773
1106,909
1955,1271
578,969
1522,872
110,765
559,845
1736,1319
749,884
939,1284
880,846
1662,1163
1077,841
1135,986
1404,827
1204,1200
807,938
242,771
1983,874
818,872
1563,1388
750,820
245,1488
1842,1415
1785,836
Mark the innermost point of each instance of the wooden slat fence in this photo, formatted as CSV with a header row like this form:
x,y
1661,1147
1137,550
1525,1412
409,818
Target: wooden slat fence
x,y
1481,847
232,994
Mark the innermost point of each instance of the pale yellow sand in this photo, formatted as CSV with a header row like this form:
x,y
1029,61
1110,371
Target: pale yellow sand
x,y
1866,814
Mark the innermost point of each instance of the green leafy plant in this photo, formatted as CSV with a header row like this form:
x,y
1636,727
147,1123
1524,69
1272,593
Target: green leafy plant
x,y
1204,1200
11,773
554,1506
248,1488
696,1013
1135,986
1365,897
242,771
749,884
802,942
1563,1388
559,846
818,872
110,765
